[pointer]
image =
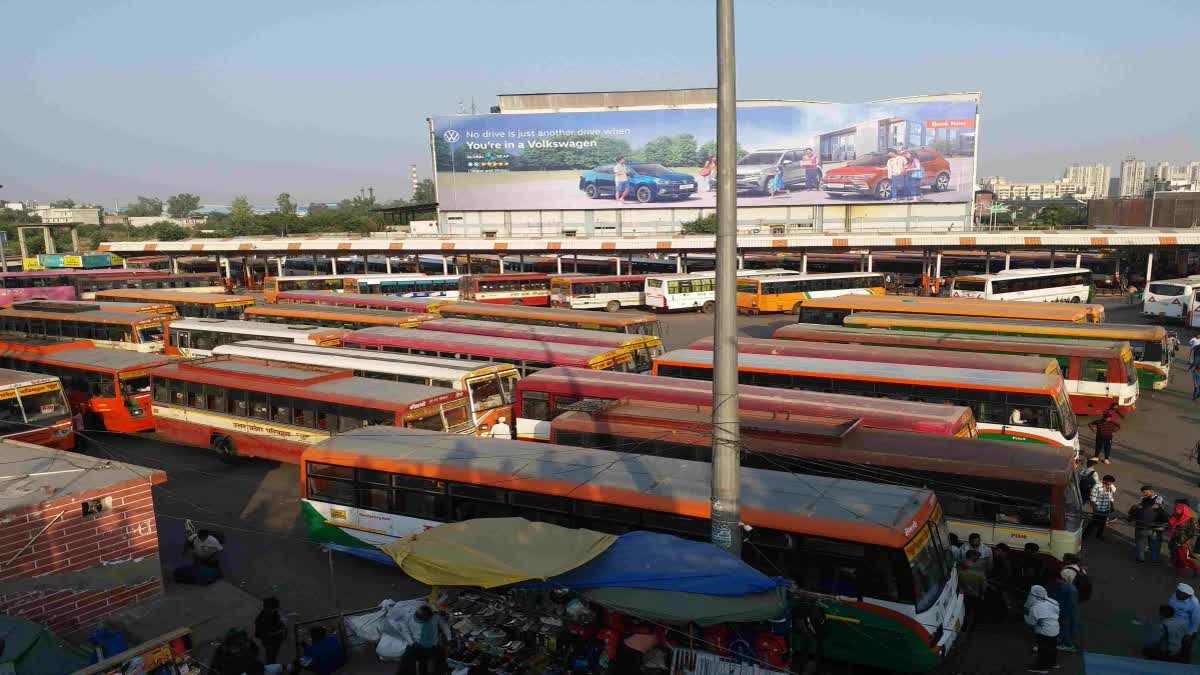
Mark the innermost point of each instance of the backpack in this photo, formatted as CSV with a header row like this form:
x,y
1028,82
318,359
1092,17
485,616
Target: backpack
x,y
269,627
1083,583
1086,482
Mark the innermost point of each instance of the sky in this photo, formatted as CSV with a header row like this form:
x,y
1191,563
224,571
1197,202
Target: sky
x,y
103,101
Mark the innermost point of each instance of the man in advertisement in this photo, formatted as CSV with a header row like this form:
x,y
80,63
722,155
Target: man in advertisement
x,y
897,173
621,177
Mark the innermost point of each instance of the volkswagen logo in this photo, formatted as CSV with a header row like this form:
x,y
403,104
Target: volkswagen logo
x,y
451,136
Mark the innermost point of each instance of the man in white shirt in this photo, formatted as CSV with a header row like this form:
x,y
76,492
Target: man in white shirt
x,y
621,180
975,543
205,547
1015,417
897,171
501,429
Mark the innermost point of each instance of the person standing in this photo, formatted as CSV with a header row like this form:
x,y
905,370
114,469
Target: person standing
x,y
1088,478
1102,502
1148,522
270,629
710,165
1195,381
812,169
897,172
972,579
1183,601
1164,640
1105,428
1067,597
916,172
1041,614
975,543
427,655
501,429
620,180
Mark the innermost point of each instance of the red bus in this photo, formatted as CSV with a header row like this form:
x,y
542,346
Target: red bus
x,y
109,388
542,396
34,410
53,284
645,347
363,301
524,288
528,356
274,410
878,354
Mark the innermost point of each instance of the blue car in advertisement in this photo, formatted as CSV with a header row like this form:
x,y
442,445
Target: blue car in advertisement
x,y
647,183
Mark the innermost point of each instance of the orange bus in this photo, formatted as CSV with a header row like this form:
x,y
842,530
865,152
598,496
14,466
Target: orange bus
x,y
521,288
390,303
110,389
274,409
1022,407
831,311
34,410
350,318
639,323
189,305
92,305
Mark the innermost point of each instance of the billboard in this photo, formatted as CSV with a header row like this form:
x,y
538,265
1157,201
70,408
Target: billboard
x,y
915,150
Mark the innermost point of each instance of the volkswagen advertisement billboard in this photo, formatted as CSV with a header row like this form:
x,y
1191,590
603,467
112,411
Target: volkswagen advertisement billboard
x,y
911,150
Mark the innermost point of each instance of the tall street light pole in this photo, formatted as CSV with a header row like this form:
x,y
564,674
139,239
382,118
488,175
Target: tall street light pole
x,y
726,460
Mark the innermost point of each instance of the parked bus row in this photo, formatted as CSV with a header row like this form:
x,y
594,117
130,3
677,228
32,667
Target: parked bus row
x,y
81,284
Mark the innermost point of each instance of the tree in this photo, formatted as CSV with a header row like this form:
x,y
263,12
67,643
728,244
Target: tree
x,y
182,205
145,206
165,230
285,205
605,151
67,203
424,193
241,217
709,149
702,225
677,150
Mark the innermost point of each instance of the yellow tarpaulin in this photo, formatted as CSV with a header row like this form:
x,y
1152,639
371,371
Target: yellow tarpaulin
x,y
490,552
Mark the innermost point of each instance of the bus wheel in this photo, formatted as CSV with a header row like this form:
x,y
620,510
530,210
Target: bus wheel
x,y
612,306
225,449
708,307
1076,299
515,302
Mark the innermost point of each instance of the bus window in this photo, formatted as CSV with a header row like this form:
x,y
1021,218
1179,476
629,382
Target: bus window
x,y
258,405
44,406
11,418
535,405
135,385
150,333
1094,370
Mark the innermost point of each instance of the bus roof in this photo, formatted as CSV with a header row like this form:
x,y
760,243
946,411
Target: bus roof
x,y
515,276
398,358
802,277
327,384
1027,272
121,318
868,512
983,343
260,328
710,275
76,305
376,316
361,360
405,278
968,378
174,296
369,300
466,310
593,278
1031,462
1193,280
1102,331
97,358
888,354
951,306
479,345
934,418
74,272
324,277
575,336
15,378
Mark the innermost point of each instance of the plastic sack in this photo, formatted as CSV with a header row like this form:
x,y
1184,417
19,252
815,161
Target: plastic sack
x,y
398,619
391,648
365,628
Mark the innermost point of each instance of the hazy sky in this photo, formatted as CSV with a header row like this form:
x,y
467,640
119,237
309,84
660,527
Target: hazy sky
x,y
103,101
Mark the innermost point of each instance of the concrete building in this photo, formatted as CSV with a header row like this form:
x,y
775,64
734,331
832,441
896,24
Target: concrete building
x,y
1177,176
1133,178
79,540
1092,179
1007,190
89,215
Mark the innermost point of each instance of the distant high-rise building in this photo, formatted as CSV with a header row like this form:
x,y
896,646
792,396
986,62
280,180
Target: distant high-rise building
x,y
1092,179
1133,177
1114,186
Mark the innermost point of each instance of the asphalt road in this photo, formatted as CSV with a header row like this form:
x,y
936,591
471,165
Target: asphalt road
x,y
255,504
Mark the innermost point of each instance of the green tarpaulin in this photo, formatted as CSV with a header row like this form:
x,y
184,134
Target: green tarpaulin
x,y
31,649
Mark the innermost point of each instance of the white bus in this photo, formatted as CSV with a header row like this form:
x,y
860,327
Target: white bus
x,y
194,338
1068,284
406,285
695,290
489,386
1171,299
609,293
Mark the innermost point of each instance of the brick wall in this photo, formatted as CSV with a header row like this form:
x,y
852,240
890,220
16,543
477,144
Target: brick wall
x,y
83,567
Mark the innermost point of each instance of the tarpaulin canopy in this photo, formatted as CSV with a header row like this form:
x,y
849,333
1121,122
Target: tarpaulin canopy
x,y
1103,664
31,649
705,610
664,562
490,552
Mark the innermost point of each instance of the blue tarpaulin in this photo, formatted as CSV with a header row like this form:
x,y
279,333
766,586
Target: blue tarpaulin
x,y
664,562
1103,664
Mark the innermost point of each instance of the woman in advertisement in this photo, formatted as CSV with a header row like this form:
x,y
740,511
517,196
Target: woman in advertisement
x,y
916,172
709,168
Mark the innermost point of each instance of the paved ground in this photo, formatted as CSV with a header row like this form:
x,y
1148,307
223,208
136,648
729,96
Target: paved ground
x,y
255,504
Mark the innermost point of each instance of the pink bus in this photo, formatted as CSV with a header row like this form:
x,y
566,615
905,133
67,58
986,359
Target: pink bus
x,y
59,284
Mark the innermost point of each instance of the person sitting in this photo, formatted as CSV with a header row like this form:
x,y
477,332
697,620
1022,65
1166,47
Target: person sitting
x,y
1164,640
1016,417
205,548
322,652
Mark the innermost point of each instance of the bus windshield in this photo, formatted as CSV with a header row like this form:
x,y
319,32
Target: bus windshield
x,y
150,333
973,285
747,287
1166,289
492,391
929,569
135,385
1151,351
1069,424
45,406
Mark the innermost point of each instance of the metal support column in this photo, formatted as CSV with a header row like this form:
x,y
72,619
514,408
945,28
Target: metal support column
x,y
279,266
500,258
741,262
558,263
726,440
174,265
333,264
387,264
870,262
48,240
678,263
521,262
468,263
804,262
617,259
1149,268
1008,260
1078,260
987,263
575,263
937,272
445,265
1053,254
